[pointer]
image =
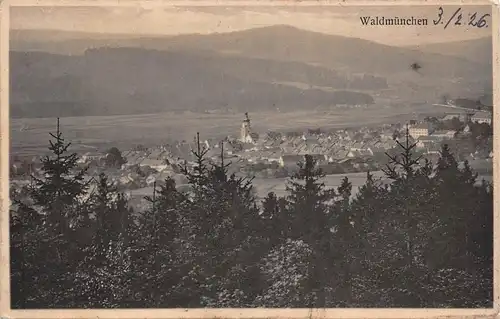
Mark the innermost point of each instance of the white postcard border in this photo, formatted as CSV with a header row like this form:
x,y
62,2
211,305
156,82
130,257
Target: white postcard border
x,y
6,312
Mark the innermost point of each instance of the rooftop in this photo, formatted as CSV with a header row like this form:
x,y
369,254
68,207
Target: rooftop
x,y
484,115
420,126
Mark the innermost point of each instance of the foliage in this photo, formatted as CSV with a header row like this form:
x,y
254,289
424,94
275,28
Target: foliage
x,y
114,158
424,240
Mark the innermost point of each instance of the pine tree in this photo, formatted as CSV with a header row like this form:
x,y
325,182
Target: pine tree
x,y
308,204
345,240
111,213
401,169
460,207
367,205
222,226
238,238
402,166
59,192
155,248
463,211
197,177
276,220
59,195
25,230
403,228
369,211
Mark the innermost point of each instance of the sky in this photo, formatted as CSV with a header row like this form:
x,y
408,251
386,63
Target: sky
x,y
338,20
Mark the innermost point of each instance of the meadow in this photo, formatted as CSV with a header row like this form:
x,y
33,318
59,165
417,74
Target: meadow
x,y
29,136
263,186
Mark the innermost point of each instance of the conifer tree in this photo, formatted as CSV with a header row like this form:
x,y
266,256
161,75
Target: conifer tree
x,y
111,213
103,274
237,229
59,195
155,247
25,230
307,203
403,227
367,205
346,244
221,229
368,211
275,218
59,192
460,206
401,169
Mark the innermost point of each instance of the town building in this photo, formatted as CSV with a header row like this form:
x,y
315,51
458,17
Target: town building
x,y
359,152
464,117
246,135
155,164
481,117
421,129
426,141
444,134
291,160
90,156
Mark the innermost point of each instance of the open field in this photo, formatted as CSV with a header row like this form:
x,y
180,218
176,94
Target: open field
x,y
278,185
30,136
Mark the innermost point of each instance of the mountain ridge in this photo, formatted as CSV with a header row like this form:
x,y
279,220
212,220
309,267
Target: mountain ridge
x,y
295,63
133,81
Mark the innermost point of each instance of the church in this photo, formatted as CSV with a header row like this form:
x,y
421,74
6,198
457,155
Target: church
x,y
247,136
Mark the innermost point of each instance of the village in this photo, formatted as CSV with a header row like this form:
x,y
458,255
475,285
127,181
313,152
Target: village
x,y
275,155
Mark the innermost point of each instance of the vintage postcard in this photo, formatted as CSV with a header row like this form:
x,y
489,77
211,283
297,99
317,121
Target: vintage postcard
x,y
232,159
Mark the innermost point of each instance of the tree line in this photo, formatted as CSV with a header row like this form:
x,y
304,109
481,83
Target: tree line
x,y
424,240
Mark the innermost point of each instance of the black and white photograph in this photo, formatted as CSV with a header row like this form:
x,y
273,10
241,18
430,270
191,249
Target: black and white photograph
x,y
250,156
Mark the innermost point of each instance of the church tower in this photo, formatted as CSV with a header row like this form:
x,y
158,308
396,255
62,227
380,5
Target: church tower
x,y
246,130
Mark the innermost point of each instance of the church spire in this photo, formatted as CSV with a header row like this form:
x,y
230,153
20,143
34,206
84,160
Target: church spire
x,y
245,129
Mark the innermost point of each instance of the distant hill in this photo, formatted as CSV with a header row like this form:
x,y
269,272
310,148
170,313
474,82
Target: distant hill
x,y
278,42
278,66
129,80
477,50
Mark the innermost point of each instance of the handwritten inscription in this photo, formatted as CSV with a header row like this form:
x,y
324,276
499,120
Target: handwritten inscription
x,y
461,18
456,18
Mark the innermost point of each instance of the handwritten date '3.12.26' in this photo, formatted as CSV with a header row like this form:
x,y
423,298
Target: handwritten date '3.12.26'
x,y
461,18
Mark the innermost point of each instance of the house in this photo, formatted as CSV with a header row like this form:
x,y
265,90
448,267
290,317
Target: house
x,y
336,155
444,134
271,155
386,136
318,158
433,149
346,161
422,129
293,160
133,158
376,150
182,151
90,156
481,117
150,180
157,153
359,152
426,141
290,160
462,117
156,164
